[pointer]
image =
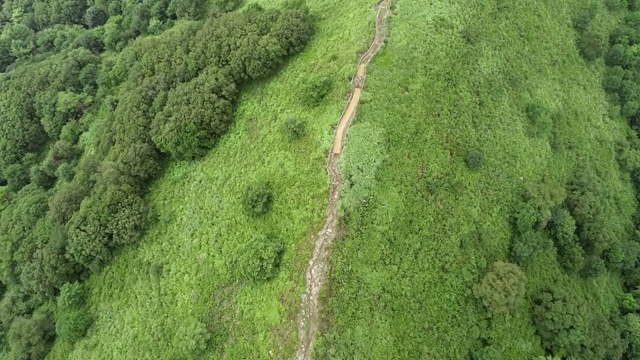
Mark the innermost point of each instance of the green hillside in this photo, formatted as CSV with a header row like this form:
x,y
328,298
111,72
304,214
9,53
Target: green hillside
x,y
163,178
424,224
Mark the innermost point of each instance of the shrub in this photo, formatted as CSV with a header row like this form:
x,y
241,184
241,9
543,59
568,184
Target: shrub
x,y
260,259
569,328
73,325
591,45
72,319
315,89
525,217
572,256
558,320
474,160
487,353
41,177
527,246
191,339
614,5
95,16
31,337
633,334
582,19
594,267
539,119
294,128
72,296
502,288
258,198
65,172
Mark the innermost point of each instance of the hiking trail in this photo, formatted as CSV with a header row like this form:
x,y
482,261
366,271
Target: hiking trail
x,y
309,315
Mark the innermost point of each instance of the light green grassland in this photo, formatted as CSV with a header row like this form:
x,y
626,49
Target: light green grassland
x,y
159,299
401,279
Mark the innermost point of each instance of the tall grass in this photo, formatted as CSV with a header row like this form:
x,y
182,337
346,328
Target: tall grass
x,y
457,77
178,294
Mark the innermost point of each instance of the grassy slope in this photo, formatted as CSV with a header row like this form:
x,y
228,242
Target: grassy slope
x,y
153,299
401,280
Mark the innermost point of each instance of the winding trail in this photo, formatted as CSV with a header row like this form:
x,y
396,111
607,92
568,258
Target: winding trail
x,y
309,315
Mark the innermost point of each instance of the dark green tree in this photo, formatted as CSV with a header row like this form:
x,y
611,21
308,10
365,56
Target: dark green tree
x,y
94,16
258,198
261,257
474,160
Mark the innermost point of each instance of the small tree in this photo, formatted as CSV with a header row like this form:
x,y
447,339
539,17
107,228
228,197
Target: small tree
x,y
94,16
486,353
72,319
633,334
527,246
474,160
315,90
591,45
502,288
594,267
260,260
295,128
258,198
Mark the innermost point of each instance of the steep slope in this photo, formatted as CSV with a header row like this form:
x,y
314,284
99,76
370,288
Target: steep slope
x,y
442,155
178,294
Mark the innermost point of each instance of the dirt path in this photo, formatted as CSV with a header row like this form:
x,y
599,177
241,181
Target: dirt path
x,y
316,272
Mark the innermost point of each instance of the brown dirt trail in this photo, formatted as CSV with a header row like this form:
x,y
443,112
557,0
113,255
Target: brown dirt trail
x,y
309,316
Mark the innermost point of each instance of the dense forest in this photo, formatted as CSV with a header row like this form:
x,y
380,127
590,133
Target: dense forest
x,y
150,91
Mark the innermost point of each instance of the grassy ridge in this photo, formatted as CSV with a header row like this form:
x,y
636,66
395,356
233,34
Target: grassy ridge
x,y
456,77
179,282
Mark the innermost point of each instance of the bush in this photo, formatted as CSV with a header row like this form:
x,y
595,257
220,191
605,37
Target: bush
x,y
582,19
191,339
294,128
474,160
539,119
615,5
72,326
594,267
487,353
72,319
527,246
570,328
315,89
633,334
572,256
260,259
502,288
31,337
258,199
591,45
95,16
72,296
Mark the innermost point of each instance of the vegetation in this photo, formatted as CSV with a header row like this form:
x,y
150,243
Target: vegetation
x,y
513,93
91,111
294,128
149,206
502,289
180,292
261,258
258,199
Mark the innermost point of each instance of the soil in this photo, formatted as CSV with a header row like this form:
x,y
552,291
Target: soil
x,y
309,316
